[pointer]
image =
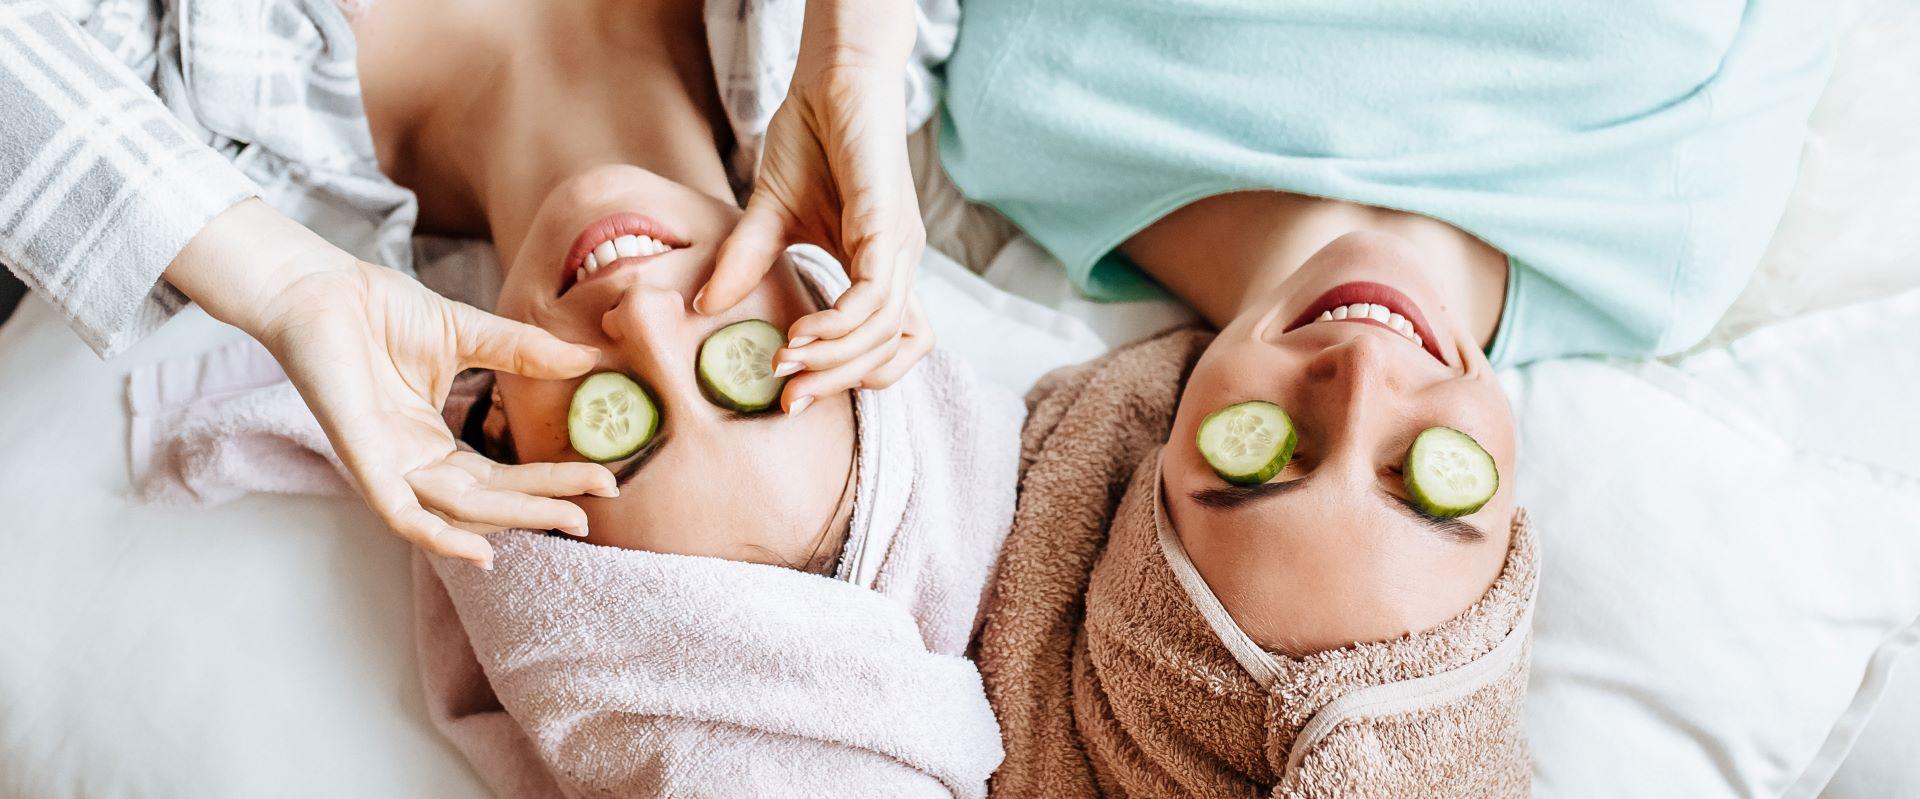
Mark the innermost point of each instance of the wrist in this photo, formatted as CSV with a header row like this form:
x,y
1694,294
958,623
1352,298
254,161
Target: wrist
x,y
856,33
243,260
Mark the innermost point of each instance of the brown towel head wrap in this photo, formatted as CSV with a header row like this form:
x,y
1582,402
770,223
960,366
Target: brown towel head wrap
x,y
1168,696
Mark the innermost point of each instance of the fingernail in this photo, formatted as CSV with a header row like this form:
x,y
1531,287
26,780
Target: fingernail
x,y
799,405
606,491
786,368
580,533
800,341
697,297
486,565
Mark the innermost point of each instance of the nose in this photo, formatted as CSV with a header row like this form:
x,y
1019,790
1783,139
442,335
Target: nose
x,y
647,326
1349,385
643,312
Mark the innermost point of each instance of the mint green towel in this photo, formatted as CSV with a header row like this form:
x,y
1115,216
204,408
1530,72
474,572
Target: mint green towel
x,y
1631,157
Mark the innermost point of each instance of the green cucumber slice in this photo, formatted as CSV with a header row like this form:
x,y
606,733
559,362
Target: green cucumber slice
x,y
736,365
611,417
1448,473
1248,443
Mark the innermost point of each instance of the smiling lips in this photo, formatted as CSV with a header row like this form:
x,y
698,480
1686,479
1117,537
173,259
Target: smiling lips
x,y
613,242
1372,303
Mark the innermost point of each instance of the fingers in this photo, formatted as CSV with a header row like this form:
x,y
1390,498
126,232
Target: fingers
x,y
834,349
800,391
429,532
916,340
744,257
456,493
540,479
490,342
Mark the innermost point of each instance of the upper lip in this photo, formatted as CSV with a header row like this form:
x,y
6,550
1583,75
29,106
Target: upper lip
x,y
611,226
1375,294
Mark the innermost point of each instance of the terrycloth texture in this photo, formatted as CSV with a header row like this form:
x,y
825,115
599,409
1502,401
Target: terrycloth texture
x,y
1631,157
627,673
589,671
207,430
1115,671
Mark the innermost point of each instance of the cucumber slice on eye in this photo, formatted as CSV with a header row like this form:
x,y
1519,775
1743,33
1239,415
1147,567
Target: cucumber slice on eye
x,y
611,417
1448,474
736,365
1247,444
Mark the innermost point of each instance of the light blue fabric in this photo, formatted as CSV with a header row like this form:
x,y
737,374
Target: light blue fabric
x,y
1631,157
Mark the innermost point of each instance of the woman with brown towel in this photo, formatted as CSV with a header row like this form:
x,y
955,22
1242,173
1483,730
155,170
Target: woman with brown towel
x,y
1285,558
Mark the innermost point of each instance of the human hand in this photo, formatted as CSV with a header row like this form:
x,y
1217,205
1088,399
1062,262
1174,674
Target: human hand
x,y
374,353
834,173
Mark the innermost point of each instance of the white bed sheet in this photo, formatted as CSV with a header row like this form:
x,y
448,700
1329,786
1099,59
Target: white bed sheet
x,y
1737,630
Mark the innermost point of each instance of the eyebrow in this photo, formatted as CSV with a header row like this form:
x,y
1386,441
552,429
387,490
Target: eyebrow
x,y
1233,496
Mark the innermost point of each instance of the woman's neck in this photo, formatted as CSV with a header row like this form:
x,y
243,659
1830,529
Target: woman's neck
x,y
483,108
1223,253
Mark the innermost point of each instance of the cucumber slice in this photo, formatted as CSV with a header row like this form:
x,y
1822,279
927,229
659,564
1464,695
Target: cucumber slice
x,y
1247,444
1448,474
736,365
611,417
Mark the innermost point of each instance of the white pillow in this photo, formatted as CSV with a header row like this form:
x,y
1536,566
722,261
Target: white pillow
x,y
1729,541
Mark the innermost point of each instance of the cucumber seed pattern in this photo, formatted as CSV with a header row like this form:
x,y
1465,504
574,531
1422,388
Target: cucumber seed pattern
x,y
748,361
1248,435
611,415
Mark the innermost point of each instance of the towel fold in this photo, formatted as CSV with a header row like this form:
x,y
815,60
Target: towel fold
x,y
210,429
624,673
585,670
1116,671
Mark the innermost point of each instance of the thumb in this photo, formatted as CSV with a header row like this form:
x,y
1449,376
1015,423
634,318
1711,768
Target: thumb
x,y
744,258
490,342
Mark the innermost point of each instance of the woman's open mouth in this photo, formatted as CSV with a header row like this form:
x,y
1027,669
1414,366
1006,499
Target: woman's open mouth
x,y
614,242
1372,303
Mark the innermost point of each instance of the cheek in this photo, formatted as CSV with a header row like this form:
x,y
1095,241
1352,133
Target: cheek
x,y
537,417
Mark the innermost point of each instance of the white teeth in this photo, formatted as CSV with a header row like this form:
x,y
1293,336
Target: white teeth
x,y
606,253
1379,313
590,264
628,246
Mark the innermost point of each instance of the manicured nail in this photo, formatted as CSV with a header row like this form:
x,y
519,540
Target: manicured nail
x,y
786,368
577,533
607,491
799,405
697,297
800,341
486,565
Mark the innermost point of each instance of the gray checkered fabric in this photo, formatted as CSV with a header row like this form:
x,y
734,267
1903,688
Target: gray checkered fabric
x,y
125,125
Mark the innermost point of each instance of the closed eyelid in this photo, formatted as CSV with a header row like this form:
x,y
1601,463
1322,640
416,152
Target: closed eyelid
x,y
631,469
1450,528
